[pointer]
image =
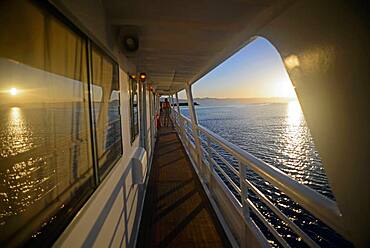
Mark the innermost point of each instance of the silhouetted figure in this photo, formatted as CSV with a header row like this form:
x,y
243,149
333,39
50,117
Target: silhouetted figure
x,y
166,113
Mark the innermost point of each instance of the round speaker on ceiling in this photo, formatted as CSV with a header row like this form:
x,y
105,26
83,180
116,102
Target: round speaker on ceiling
x,y
130,43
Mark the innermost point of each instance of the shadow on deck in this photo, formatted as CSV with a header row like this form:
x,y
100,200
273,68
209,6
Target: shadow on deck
x,y
177,212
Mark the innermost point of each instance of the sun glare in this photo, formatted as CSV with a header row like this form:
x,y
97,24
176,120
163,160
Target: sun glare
x,y
285,89
13,91
294,112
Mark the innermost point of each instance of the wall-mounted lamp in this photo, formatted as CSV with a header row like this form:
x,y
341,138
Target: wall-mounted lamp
x,y
133,76
142,77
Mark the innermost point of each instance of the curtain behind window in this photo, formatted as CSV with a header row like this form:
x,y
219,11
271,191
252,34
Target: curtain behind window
x,y
106,110
46,163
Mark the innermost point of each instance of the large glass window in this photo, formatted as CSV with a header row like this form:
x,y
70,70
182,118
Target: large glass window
x,y
46,167
106,110
134,109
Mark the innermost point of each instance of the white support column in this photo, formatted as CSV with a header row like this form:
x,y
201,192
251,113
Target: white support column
x,y
177,102
171,101
189,95
171,107
194,125
178,116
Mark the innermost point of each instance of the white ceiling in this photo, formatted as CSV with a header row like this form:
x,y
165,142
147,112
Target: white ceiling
x,y
179,41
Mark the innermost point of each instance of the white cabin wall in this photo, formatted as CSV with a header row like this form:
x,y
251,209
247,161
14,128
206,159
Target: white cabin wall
x,y
111,215
328,42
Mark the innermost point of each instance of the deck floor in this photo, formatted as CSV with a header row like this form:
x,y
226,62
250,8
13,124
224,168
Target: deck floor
x,y
177,212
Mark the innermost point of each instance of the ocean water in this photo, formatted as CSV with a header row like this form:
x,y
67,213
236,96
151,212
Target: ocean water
x,y
46,163
278,134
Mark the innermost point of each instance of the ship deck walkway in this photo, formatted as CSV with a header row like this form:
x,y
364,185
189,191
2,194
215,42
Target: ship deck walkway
x,y
177,212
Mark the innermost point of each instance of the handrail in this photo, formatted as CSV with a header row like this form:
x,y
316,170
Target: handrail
x,y
320,206
225,162
236,188
281,215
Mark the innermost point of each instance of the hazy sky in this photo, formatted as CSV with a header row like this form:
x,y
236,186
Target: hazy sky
x,y
256,70
32,85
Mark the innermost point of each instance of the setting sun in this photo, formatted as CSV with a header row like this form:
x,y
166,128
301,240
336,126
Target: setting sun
x,y
13,91
285,89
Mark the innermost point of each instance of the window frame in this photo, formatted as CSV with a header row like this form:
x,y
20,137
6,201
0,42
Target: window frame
x,y
51,232
134,130
101,176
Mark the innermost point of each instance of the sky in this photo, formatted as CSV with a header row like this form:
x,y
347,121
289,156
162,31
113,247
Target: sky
x,y
255,71
21,83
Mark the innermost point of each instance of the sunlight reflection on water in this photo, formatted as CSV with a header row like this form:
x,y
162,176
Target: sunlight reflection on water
x,y
294,115
19,188
294,141
19,135
277,134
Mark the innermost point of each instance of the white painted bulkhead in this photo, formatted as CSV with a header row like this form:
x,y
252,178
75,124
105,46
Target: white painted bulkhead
x,y
112,214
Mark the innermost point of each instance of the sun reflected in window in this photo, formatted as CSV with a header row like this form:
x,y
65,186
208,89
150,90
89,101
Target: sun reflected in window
x,y
13,91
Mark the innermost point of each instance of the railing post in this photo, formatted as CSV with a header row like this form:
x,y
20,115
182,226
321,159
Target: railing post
x,y
170,100
181,126
244,197
185,133
172,109
210,165
177,102
194,125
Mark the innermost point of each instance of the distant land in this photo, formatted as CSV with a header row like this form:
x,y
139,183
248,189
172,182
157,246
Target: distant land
x,y
212,101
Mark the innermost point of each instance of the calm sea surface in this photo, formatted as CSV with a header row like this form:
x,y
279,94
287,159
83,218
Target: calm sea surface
x,y
276,133
45,161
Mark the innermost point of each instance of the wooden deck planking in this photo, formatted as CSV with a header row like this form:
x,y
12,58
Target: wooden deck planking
x,y
177,212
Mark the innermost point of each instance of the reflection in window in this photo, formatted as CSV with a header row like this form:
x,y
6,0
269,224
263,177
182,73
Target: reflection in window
x,y
46,164
106,110
134,109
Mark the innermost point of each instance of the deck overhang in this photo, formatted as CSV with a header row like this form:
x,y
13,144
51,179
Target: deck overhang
x,y
181,41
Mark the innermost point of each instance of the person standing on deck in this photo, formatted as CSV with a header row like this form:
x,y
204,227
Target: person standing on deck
x,y
166,112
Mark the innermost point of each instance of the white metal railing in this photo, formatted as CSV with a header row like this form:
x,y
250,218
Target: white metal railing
x,y
206,158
